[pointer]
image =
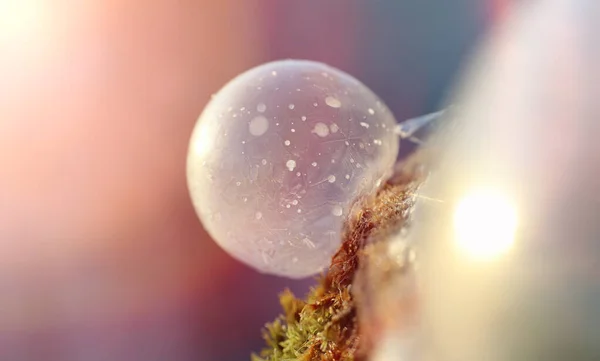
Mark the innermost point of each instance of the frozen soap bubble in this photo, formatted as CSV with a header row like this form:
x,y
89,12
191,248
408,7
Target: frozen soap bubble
x,y
278,157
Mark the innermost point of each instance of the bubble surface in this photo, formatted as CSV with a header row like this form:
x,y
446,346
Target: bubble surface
x,y
283,172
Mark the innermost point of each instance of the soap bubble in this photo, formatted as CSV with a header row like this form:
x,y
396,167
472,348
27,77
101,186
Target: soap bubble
x,y
278,157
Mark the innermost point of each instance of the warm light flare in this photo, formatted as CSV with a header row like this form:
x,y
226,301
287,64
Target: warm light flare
x,y
21,19
485,225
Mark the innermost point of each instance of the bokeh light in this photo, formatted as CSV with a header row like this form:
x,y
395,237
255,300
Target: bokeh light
x,y
485,224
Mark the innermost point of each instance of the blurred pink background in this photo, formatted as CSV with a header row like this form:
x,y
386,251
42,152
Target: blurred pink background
x,y
101,254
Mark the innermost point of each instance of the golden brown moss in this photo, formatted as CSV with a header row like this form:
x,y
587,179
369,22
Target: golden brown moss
x,y
325,327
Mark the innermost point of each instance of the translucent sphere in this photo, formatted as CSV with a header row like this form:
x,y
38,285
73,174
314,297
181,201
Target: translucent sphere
x,y
278,157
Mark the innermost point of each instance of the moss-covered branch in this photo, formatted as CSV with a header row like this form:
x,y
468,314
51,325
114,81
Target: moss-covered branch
x,y
326,326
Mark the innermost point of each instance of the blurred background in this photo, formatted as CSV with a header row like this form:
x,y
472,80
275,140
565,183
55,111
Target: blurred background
x,y
101,254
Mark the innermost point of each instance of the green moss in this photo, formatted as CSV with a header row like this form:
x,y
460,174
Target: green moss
x,y
310,330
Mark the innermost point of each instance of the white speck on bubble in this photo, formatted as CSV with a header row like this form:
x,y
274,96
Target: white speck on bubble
x,y
274,73
334,128
331,178
290,164
321,130
303,118
347,176
314,164
377,141
371,111
238,183
315,104
263,162
287,143
293,130
298,174
258,215
261,107
333,102
337,211
295,202
291,106
258,126
363,124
